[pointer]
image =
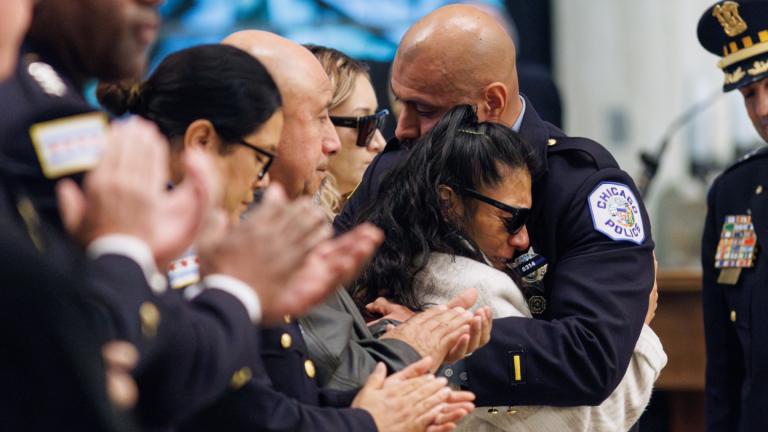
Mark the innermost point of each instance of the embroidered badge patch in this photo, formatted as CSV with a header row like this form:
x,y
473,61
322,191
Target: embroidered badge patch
x,y
69,145
736,248
616,212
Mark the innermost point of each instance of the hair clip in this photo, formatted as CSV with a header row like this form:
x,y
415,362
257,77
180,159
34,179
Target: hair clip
x,y
468,131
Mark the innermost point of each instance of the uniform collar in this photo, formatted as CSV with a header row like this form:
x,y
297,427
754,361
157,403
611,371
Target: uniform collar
x,y
535,132
519,121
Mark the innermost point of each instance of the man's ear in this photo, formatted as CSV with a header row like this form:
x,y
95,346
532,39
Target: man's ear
x,y
201,134
494,102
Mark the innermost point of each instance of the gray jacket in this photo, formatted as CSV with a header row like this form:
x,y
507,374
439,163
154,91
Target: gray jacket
x,y
342,347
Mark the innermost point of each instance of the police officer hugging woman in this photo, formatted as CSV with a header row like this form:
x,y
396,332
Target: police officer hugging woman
x,y
455,218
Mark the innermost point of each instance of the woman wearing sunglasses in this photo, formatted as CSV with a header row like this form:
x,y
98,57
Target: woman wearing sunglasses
x,y
217,98
358,124
454,219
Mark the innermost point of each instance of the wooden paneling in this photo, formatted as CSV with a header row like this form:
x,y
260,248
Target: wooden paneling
x,y
680,327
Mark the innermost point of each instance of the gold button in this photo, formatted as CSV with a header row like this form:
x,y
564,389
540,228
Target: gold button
x,y
493,411
551,142
241,377
733,316
150,319
759,189
309,368
511,411
285,340
287,319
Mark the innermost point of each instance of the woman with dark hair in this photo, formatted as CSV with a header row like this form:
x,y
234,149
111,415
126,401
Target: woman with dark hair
x,y
465,190
454,218
217,98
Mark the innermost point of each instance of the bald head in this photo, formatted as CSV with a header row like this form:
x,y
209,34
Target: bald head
x,y
454,55
292,66
308,136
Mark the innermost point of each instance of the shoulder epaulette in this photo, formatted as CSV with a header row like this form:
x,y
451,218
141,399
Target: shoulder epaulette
x,y
754,155
596,152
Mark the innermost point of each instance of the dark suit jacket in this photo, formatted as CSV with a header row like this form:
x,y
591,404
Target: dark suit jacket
x,y
596,288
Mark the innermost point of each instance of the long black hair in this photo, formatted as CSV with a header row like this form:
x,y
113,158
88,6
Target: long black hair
x,y
458,152
219,83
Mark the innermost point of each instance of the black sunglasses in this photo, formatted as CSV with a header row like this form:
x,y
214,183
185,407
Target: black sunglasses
x,y
269,155
366,126
514,223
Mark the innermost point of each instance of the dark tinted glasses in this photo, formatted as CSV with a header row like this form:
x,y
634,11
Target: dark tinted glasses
x,y
269,155
366,126
518,216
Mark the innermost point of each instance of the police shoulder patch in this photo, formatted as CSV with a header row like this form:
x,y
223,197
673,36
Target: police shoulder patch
x,y
71,144
616,212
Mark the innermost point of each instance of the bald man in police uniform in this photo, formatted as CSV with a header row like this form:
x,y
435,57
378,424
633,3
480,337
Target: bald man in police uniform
x,y
735,297
587,221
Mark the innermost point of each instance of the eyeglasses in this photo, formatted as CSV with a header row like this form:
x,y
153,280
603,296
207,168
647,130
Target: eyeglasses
x,y
366,126
269,155
514,223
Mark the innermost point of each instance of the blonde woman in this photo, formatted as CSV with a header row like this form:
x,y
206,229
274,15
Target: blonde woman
x,y
358,123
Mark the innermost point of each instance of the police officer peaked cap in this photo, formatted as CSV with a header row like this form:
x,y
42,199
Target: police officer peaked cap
x,y
738,32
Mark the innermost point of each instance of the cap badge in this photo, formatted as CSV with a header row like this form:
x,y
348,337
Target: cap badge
x,y
728,16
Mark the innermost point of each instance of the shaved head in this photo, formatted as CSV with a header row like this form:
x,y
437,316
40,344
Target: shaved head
x,y
308,136
455,55
292,66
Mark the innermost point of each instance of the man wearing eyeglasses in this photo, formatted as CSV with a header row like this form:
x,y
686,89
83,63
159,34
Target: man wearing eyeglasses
x,y
592,300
